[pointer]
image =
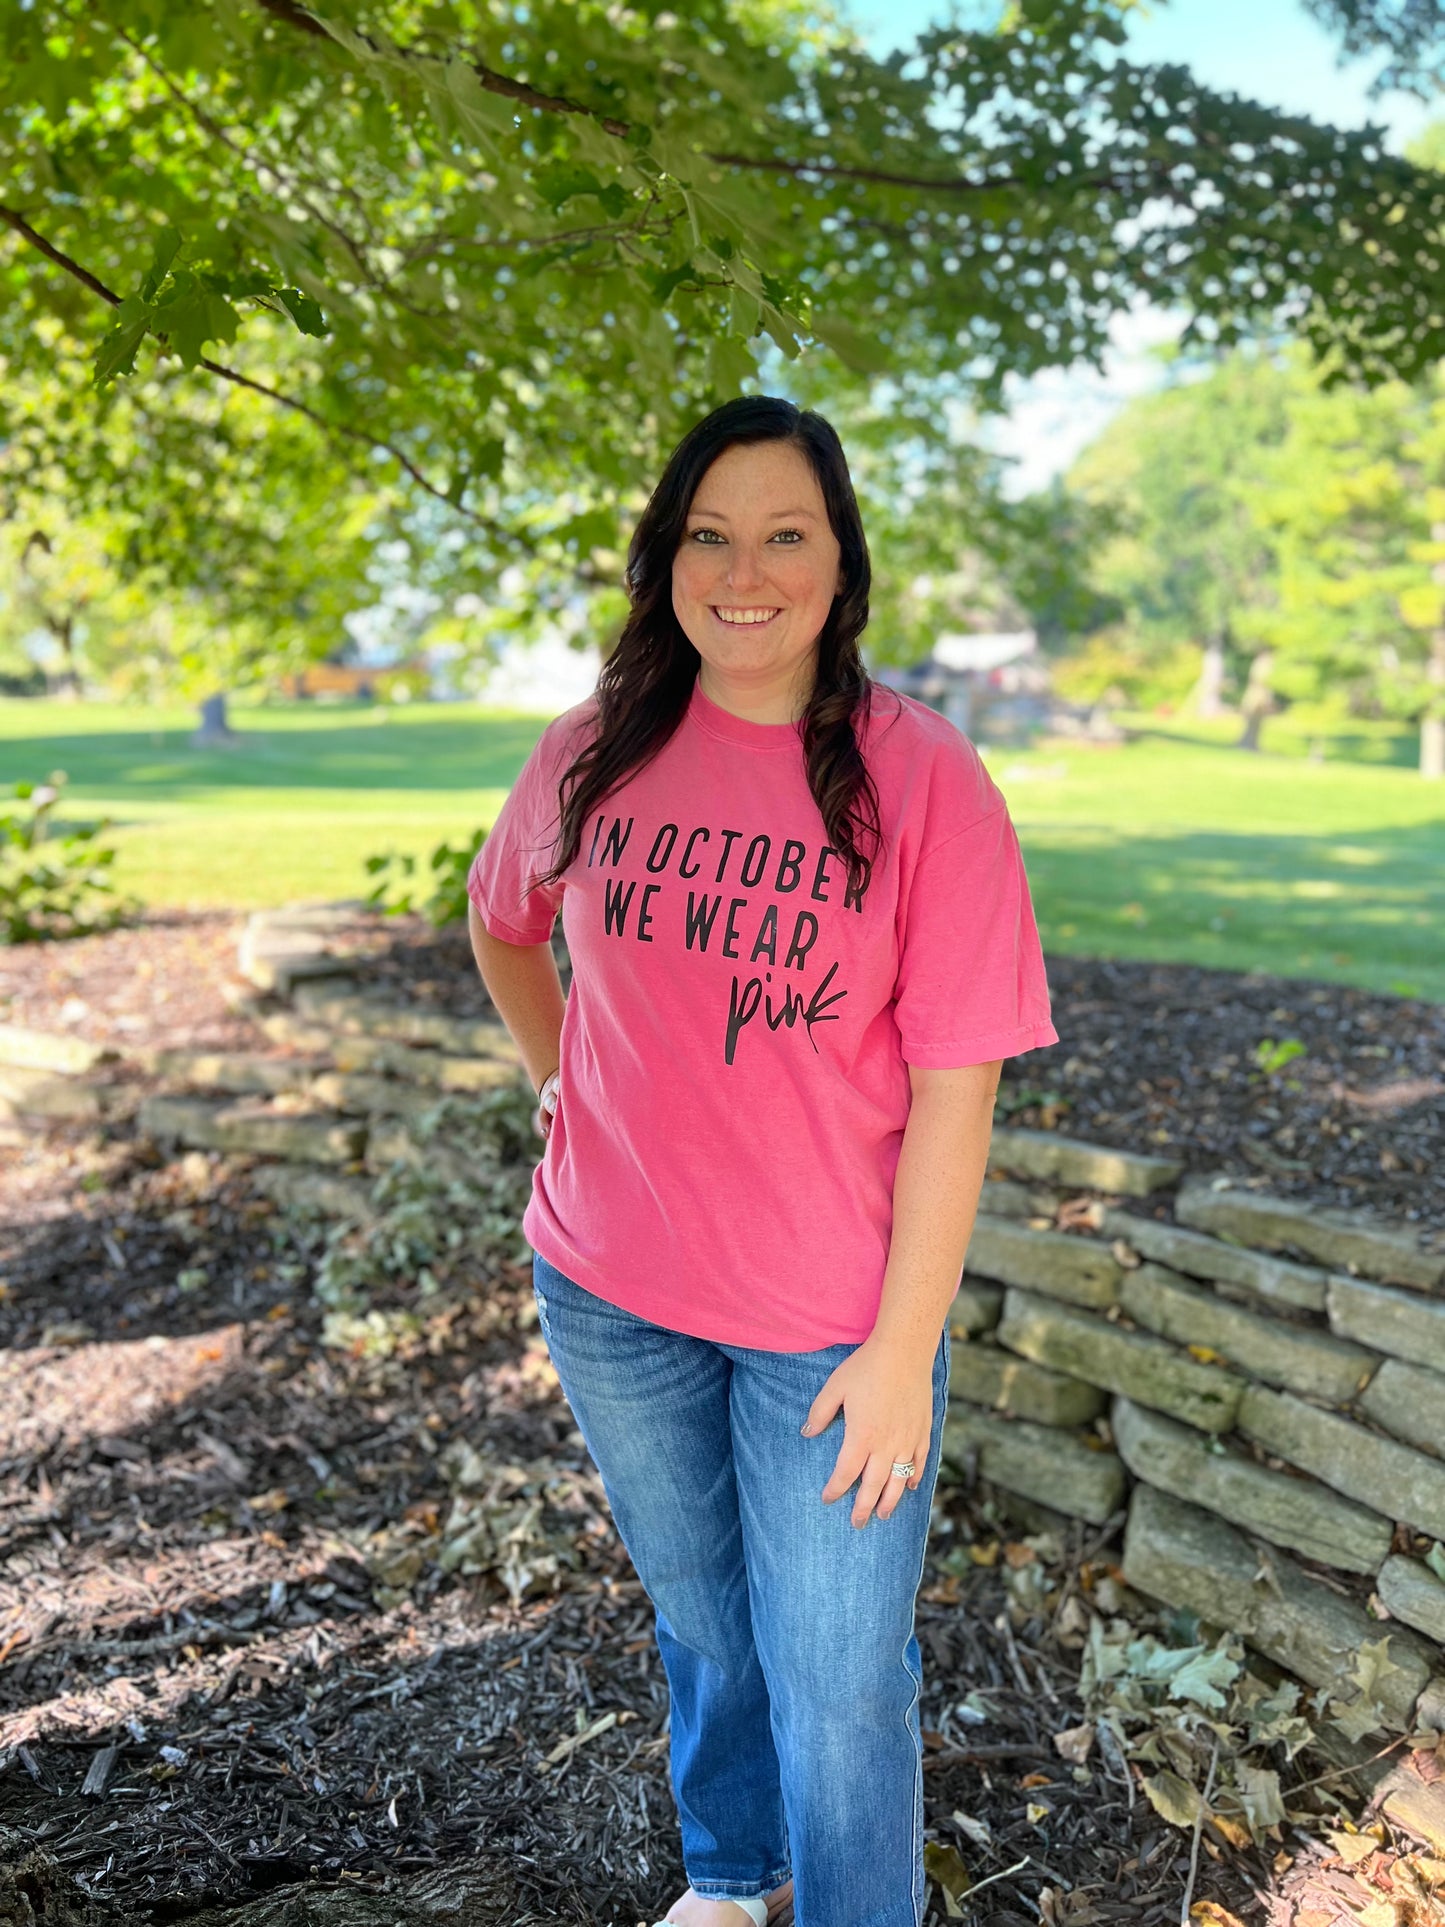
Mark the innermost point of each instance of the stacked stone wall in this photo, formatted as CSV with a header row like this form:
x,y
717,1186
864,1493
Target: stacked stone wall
x,y
1258,1383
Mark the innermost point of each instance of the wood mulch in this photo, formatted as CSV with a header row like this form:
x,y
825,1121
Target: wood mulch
x,y
225,1665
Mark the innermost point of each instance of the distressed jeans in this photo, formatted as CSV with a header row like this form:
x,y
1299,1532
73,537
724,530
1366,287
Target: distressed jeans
x,y
785,1631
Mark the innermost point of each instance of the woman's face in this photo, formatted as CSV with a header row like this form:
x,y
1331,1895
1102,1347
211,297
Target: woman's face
x,y
758,566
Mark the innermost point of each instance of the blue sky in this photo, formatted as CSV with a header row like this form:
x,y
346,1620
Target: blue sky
x,y
1266,50
1269,50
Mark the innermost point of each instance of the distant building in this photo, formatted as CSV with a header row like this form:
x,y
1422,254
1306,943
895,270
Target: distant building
x,y
358,681
970,678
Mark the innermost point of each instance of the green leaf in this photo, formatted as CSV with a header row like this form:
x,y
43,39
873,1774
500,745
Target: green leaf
x,y
662,285
1435,1559
305,312
483,113
1259,1795
1202,1677
781,330
1173,1798
559,183
729,363
167,247
594,529
855,349
745,312
196,316
116,353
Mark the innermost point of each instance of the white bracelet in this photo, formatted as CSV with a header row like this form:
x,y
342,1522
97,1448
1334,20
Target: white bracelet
x,y
553,1078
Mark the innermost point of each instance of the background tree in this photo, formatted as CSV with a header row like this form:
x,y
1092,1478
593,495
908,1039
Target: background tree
x,y
1411,32
173,537
1344,500
1190,560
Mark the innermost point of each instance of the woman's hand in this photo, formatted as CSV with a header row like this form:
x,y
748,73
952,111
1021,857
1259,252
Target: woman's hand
x,y
546,1104
887,1400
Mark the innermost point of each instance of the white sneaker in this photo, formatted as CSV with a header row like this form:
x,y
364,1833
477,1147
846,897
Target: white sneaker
x,y
756,1911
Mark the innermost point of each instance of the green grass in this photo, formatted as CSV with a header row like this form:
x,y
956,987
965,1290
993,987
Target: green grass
x,y
1174,846
292,811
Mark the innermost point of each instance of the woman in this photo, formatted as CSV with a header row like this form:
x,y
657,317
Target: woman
x,y
767,1103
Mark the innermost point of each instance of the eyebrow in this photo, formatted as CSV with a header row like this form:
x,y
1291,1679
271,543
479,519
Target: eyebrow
x,y
778,515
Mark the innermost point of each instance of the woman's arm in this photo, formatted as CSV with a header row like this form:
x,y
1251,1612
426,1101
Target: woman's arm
x,y
935,1197
884,1387
523,982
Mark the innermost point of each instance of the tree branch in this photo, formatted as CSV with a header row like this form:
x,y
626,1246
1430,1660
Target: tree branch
x,y
295,15
52,253
364,437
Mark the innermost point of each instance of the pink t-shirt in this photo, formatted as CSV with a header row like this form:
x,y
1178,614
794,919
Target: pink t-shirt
x,y
735,1048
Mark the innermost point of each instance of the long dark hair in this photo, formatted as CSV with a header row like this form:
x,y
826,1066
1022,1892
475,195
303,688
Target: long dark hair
x,y
646,684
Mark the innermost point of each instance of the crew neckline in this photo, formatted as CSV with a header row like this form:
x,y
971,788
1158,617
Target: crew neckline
x,y
718,721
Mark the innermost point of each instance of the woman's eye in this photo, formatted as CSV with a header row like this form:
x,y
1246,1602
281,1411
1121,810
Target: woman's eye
x,y
708,538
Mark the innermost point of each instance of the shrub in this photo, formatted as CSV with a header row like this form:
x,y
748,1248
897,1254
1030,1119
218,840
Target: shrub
x,y
400,890
54,879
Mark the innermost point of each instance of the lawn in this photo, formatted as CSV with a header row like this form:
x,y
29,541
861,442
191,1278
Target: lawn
x,y
1174,846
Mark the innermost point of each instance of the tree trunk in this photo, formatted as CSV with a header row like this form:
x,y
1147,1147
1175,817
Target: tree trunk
x,y
215,731
67,684
1257,701
1209,690
1432,727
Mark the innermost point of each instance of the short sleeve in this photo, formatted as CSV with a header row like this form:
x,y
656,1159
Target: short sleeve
x,y
971,982
519,846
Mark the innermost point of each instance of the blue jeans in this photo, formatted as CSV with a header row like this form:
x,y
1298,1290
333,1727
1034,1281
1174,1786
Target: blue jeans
x,y
786,1632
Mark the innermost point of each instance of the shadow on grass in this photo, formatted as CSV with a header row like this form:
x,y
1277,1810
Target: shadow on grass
x,y
1397,750
466,751
1362,907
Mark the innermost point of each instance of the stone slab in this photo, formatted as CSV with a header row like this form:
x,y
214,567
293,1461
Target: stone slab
x,y
1392,1479
1036,1461
422,1065
1187,1557
1290,1355
44,1050
1410,1591
236,1071
310,913
1072,1268
361,1095
276,955
285,1027
1400,1322
1132,1364
252,1128
333,1195
1341,1240
1277,1280
1418,1807
1298,1513
1072,1161
985,1375
51,1095
976,1306
1430,1712
1409,1401
371,1016
1006,1198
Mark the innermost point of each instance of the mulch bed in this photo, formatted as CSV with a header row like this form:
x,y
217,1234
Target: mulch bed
x,y
188,1627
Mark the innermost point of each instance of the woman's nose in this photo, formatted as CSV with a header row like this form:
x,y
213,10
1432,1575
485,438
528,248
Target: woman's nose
x,y
744,569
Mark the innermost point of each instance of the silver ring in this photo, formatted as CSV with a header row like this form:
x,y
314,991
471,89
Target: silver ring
x,y
903,1468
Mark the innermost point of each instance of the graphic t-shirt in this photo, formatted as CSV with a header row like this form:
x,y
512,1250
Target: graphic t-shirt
x,y
735,1046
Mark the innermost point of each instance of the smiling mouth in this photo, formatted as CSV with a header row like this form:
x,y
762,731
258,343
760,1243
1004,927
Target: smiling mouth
x,y
744,618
